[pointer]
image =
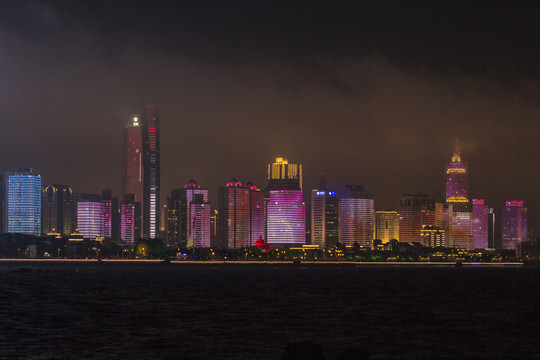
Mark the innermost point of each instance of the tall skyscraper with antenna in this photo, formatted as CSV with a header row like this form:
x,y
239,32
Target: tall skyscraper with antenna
x,y
460,216
151,171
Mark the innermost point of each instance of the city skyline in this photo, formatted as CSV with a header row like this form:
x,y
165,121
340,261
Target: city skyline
x,y
359,102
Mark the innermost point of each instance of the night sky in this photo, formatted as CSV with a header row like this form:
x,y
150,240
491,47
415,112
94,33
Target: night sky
x,y
373,93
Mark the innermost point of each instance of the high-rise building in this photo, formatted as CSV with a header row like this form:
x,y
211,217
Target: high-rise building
x,y
514,225
460,224
241,214
415,211
176,215
285,218
456,177
283,175
324,217
285,207
90,216
111,216
132,160
151,171
357,216
178,224
459,209
387,225
23,202
99,216
256,213
234,206
199,219
480,224
132,171
192,189
57,201
128,215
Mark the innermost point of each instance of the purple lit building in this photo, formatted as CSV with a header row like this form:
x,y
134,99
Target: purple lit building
x,y
514,225
480,225
357,216
90,216
285,218
456,177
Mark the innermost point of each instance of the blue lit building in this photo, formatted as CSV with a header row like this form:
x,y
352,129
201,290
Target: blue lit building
x,y
23,202
324,217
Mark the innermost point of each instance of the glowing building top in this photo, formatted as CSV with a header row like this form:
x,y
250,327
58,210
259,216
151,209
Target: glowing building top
x,y
283,175
456,179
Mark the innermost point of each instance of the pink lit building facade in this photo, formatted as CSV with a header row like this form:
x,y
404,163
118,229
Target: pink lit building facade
x,y
514,225
480,224
234,206
285,218
357,217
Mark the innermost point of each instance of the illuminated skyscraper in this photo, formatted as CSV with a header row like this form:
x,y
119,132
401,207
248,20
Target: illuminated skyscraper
x,y
283,175
111,216
285,208
192,189
415,211
514,225
127,222
200,212
178,225
480,224
90,215
456,177
132,160
23,202
56,210
459,210
387,225
324,217
357,216
285,218
151,171
234,206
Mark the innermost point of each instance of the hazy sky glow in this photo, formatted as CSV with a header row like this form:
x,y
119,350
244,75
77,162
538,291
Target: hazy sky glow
x,y
374,95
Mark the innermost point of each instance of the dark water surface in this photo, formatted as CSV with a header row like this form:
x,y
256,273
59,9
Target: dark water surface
x,y
158,311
